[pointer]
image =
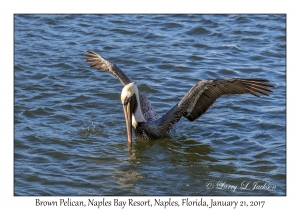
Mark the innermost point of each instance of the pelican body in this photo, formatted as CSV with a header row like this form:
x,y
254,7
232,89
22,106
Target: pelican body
x,y
140,116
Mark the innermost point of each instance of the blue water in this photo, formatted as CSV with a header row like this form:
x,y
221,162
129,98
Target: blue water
x,y
69,127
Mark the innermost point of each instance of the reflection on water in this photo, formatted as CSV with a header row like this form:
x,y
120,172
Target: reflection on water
x,y
127,179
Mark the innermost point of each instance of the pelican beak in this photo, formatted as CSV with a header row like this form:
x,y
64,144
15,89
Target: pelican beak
x,y
128,106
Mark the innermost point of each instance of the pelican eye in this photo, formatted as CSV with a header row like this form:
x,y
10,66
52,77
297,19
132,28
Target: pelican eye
x,y
126,101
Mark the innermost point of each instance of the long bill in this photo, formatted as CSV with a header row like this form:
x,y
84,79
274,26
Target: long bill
x,y
128,109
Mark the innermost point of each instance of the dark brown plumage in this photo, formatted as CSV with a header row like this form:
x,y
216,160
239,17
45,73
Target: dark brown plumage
x,y
195,103
203,94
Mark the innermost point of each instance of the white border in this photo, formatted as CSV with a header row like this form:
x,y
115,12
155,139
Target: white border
x,y
9,8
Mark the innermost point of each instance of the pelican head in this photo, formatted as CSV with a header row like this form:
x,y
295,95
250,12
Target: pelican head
x,y
132,109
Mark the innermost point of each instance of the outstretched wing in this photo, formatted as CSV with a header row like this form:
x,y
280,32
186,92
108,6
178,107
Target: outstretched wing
x,y
101,63
203,94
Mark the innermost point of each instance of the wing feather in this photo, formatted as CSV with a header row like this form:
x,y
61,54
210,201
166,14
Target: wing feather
x,y
102,63
203,94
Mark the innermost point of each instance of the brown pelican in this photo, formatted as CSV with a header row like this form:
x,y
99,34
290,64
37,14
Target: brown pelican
x,y
141,116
